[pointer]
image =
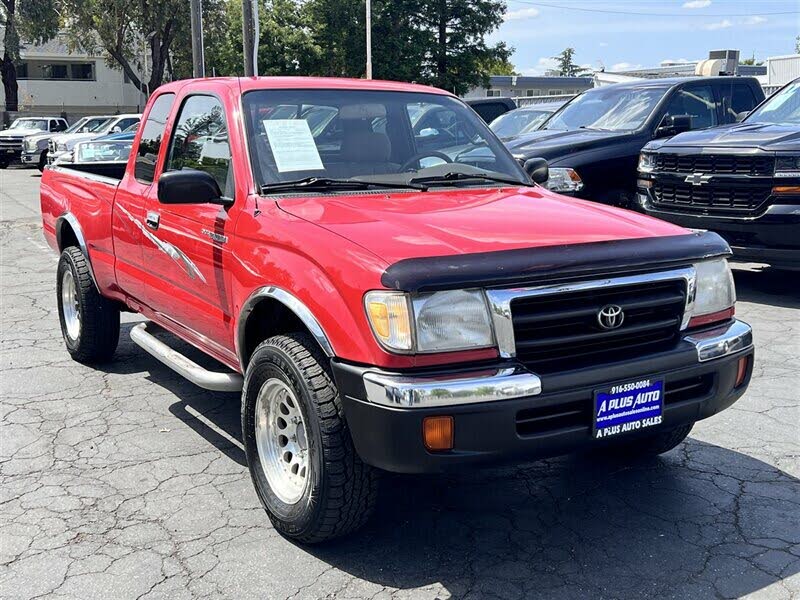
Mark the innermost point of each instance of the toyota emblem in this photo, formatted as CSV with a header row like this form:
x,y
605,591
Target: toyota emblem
x,y
610,316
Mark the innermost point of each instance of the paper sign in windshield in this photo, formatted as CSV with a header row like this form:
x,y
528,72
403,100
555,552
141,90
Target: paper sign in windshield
x,y
292,145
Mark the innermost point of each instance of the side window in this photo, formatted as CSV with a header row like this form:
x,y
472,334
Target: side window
x,y
200,141
697,102
742,100
150,141
125,123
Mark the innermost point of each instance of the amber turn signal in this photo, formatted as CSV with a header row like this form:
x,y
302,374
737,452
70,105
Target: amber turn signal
x,y
437,433
741,370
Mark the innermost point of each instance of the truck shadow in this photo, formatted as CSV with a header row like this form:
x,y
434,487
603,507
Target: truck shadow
x,y
703,521
767,285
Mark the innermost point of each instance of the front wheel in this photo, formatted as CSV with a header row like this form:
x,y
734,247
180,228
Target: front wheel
x,y
4,164
42,161
306,472
89,322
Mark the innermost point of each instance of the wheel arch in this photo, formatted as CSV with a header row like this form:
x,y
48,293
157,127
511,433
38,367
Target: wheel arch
x,y
69,233
269,311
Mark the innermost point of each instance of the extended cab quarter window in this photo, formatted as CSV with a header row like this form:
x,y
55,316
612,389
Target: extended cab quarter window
x,y
150,141
696,101
742,100
200,141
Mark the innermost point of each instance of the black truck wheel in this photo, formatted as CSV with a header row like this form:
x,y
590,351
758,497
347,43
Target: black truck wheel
x,y
42,161
306,472
652,444
89,322
4,164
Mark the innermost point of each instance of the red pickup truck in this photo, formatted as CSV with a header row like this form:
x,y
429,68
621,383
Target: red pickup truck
x,y
389,289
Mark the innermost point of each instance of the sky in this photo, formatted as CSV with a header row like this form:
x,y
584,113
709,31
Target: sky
x,y
625,34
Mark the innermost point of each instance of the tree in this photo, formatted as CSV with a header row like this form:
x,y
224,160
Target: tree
x,y
500,67
35,21
566,67
797,44
132,33
751,61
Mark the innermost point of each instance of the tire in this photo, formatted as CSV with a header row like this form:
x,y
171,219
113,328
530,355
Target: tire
x,y
3,164
653,444
337,492
96,335
42,161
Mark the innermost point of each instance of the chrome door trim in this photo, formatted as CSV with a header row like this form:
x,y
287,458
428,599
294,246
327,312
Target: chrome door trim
x,y
500,299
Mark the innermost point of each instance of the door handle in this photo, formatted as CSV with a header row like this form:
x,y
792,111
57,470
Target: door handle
x,y
152,219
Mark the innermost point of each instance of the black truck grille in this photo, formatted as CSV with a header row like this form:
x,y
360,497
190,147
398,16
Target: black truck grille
x,y
741,199
9,143
715,163
561,331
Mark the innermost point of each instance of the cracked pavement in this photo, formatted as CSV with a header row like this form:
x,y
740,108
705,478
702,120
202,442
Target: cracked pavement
x,y
129,482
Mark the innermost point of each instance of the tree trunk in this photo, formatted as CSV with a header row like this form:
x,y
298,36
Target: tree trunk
x,y
441,52
8,70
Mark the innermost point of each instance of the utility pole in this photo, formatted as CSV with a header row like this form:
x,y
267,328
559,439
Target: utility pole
x,y
248,38
198,58
369,39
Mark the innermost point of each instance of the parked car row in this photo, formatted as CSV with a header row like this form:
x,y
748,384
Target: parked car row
x,y
698,167
39,141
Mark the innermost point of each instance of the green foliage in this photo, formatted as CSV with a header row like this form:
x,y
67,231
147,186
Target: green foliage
x,y
566,67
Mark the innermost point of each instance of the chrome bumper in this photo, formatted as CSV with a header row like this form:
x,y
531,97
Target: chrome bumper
x,y
491,385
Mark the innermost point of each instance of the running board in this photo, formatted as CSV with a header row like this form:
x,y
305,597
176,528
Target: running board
x,y
209,380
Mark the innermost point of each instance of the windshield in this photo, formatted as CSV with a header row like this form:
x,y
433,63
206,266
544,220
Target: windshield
x,y
94,124
518,121
30,124
609,109
342,134
783,108
76,125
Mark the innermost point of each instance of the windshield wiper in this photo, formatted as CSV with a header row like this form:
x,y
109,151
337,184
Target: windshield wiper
x,y
315,184
453,177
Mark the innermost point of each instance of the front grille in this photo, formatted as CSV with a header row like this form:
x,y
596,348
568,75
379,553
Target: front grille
x,y
557,332
577,415
7,143
735,200
715,163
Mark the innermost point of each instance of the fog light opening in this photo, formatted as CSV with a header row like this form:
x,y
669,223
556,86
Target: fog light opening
x,y
437,433
741,370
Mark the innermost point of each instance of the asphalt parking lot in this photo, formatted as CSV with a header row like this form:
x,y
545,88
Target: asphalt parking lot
x,y
129,482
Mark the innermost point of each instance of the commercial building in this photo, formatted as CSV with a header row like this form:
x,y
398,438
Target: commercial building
x,y
533,89
54,81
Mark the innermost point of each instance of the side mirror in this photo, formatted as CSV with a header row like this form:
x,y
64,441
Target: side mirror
x,y
189,187
537,170
740,116
674,124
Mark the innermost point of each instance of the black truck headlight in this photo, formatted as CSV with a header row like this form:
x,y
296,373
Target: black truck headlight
x,y
787,166
435,322
647,162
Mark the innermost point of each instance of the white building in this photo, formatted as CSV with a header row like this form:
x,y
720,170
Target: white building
x,y
546,88
53,81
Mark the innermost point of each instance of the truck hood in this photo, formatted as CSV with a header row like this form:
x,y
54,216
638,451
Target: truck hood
x,y
550,144
18,133
440,223
740,135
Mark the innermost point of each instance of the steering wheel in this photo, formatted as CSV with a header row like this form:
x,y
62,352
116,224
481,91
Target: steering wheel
x,y
417,157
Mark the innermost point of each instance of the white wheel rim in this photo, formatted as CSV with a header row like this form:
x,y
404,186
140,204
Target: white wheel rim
x,y
281,440
69,305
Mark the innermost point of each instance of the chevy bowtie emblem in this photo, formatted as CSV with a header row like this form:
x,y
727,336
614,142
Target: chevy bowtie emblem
x,y
697,179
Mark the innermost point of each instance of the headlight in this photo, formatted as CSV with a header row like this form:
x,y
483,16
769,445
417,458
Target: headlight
x,y
564,180
647,162
440,321
787,166
715,291
61,147
30,145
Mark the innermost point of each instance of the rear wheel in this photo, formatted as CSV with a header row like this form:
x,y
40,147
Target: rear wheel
x,y
306,472
89,322
653,444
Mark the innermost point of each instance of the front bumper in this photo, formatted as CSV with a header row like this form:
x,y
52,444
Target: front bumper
x,y
30,158
504,412
53,156
770,237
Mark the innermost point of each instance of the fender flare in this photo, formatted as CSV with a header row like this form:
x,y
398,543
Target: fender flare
x,y
72,221
291,302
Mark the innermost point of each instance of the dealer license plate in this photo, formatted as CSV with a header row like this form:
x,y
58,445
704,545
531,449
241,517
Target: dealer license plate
x,y
628,407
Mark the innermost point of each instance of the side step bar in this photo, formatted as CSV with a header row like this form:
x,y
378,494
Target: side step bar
x,y
210,380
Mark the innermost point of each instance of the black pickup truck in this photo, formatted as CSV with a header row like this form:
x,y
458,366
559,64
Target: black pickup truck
x,y
593,143
742,181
